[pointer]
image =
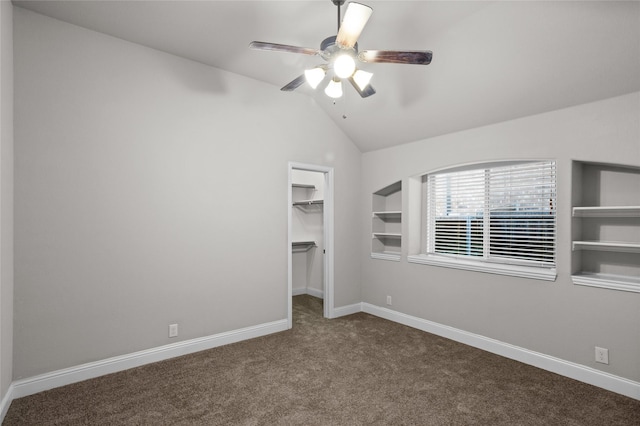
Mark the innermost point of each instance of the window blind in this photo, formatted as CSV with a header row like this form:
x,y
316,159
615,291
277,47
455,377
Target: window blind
x,y
456,206
501,214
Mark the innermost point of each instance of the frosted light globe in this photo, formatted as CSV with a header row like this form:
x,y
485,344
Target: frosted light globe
x,y
344,66
334,89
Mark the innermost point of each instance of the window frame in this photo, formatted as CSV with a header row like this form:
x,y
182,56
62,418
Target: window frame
x,y
518,268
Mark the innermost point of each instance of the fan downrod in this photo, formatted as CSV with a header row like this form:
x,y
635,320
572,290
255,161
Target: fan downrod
x,y
338,3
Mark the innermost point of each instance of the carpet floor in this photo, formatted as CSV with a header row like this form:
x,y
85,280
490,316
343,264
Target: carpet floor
x,y
354,370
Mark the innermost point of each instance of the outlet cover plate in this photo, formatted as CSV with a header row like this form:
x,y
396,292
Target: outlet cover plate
x,y
602,355
173,330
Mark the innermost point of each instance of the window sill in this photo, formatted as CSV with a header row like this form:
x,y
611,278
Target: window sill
x,y
491,268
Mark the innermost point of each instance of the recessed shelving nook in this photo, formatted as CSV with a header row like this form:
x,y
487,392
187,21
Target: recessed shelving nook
x,y
387,222
606,226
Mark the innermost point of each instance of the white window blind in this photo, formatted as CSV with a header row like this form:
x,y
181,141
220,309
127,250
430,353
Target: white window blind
x,y
503,214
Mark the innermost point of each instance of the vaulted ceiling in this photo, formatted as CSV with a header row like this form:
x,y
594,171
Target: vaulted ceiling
x,y
492,60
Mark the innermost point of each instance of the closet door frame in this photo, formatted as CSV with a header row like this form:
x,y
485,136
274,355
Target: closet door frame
x,y
327,228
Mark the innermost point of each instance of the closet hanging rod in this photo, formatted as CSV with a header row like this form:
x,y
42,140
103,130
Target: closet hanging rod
x,y
307,202
302,246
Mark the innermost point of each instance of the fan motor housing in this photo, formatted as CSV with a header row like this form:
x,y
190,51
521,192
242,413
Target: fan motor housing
x,y
329,48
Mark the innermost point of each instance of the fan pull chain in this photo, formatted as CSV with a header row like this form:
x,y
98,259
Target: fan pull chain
x,y
344,110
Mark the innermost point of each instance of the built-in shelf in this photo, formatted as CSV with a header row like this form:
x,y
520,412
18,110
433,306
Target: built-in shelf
x,y
386,235
614,282
606,226
619,246
607,211
302,246
386,222
307,202
389,215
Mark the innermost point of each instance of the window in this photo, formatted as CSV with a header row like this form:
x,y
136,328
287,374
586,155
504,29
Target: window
x,y
498,219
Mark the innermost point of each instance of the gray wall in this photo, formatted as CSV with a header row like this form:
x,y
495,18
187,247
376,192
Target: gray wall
x,y
6,198
555,318
153,190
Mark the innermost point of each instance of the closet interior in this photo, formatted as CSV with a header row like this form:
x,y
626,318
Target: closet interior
x,y
308,233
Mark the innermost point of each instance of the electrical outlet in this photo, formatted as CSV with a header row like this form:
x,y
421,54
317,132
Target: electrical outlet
x,y
173,330
602,355
389,302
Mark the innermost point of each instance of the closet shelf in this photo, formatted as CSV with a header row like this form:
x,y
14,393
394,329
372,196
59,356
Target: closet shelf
x,y
607,211
302,246
617,246
303,185
307,202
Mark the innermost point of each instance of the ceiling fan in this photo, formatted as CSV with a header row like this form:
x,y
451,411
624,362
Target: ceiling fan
x,y
341,52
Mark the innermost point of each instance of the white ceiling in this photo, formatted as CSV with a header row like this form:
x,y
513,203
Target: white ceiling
x,y
492,61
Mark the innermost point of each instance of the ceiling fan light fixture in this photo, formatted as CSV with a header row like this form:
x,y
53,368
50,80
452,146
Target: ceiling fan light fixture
x,y
340,53
344,65
362,78
314,76
334,89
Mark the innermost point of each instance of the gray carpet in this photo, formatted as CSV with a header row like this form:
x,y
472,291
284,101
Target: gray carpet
x,y
355,370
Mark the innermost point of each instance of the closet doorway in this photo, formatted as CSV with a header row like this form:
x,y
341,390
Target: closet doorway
x,y
310,235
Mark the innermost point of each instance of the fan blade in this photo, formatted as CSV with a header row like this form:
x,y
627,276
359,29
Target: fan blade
x,y
260,45
294,84
366,92
417,57
355,19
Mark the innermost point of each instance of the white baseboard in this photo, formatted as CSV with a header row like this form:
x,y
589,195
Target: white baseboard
x,y
315,293
310,291
6,402
559,366
32,385
347,310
